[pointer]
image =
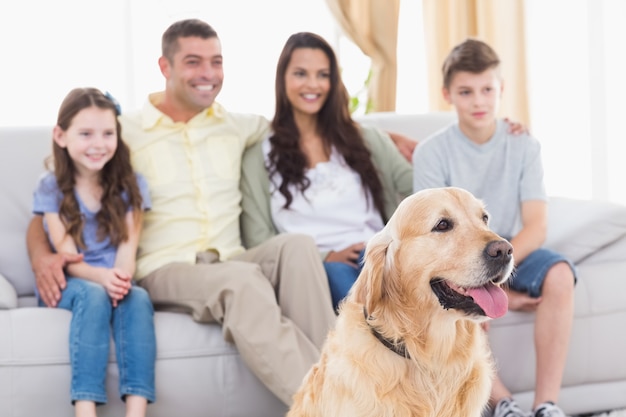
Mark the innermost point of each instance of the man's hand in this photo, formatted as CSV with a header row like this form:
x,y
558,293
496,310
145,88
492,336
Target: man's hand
x,y
49,275
405,145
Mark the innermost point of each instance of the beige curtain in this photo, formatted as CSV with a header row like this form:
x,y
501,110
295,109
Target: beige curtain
x,y
373,26
500,23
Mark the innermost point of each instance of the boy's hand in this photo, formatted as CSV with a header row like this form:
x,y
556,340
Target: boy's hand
x,y
49,275
519,301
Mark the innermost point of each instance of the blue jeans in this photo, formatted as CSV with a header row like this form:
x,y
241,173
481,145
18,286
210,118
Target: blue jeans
x,y
341,277
93,316
531,272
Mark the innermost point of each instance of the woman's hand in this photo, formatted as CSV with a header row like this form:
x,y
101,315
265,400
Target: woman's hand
x,y
516,128
349,255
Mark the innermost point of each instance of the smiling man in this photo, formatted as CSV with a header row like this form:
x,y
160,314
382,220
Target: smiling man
x,y
190,255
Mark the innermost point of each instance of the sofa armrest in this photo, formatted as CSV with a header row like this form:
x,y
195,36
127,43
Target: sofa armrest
x,y
8,296
580,228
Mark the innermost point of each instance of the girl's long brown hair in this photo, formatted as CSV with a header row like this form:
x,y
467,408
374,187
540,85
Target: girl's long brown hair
x,y
116,177
334,124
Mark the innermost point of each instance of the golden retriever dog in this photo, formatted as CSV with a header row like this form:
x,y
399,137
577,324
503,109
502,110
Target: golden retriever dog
x,y
408,340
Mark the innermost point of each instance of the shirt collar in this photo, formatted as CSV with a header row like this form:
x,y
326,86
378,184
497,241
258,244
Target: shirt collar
x,y
152,116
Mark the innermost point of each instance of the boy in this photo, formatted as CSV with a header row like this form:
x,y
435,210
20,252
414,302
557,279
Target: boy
x,y
478,154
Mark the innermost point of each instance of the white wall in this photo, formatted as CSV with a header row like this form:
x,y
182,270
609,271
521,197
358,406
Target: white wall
x,y
577,67
115,44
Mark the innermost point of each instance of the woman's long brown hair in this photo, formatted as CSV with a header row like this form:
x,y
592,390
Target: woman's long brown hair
x,y
117,176
334,124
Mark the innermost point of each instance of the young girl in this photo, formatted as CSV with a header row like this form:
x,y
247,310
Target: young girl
x,y
92,204
320,173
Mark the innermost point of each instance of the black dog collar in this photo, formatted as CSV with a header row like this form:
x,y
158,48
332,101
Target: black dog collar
x,y
398,348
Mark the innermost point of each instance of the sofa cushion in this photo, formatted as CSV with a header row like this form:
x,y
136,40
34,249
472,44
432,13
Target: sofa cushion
x,y
611,254
8,296
198,373
580,228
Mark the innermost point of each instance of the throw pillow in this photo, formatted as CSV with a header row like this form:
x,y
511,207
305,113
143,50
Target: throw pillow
x,y
8,296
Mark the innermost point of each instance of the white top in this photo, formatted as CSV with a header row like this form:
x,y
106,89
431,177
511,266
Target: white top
x,y
334,210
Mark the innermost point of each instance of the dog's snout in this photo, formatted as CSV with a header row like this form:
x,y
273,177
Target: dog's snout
x,y
499,249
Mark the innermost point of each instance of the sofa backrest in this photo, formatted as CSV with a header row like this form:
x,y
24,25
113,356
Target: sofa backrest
x,y
415,126
24,149
577,228
22,155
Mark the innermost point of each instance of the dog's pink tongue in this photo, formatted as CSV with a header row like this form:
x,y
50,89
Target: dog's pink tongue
x,y
491,299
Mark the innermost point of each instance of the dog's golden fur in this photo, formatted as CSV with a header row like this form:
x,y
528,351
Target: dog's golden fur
x,y
433,235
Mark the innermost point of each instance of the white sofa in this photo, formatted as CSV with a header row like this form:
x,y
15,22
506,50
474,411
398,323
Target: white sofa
x,y
198,374
593,235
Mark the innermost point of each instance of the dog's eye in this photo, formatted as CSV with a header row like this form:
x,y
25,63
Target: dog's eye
x,y
486,218
443,225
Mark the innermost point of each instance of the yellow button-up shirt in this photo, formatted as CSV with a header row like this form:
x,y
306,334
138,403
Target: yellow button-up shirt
x,y
193,172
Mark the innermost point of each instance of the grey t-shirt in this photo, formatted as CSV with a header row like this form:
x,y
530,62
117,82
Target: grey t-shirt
x,y
503,172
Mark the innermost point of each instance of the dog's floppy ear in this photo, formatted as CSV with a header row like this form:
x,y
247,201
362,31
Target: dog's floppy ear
x,y
369,287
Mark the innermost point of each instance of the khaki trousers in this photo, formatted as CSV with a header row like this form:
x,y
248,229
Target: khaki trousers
x,y
272,301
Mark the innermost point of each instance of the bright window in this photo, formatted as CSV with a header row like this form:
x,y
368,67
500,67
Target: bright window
x,y
575,57
576,88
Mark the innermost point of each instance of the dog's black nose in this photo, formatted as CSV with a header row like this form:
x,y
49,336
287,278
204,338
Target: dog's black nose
x,y
499,250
